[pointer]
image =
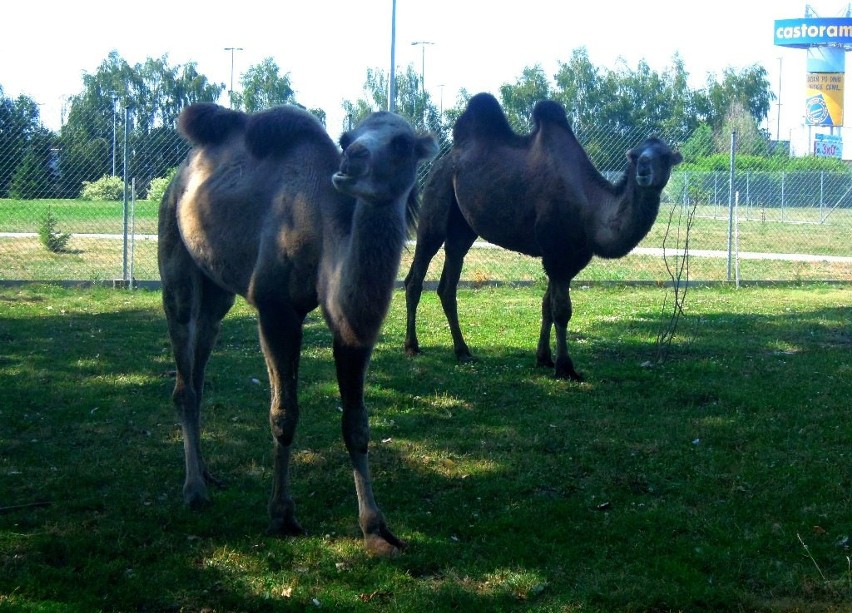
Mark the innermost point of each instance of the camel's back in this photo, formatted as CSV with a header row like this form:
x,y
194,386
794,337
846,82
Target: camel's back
x,y
252,185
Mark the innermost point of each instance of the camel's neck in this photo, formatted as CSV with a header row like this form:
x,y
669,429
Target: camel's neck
x,y
624,216
365,270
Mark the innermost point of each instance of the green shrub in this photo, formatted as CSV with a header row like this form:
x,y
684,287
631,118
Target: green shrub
x,y
159,185
53,240
105,188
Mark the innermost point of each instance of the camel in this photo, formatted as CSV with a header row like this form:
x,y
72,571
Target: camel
x,y
537,194
266,206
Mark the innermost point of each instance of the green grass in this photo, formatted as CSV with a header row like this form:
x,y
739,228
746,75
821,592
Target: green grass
x,y
683,486
96,259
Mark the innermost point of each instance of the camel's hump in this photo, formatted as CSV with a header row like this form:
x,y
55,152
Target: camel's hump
x,y
206,123
275,131
483,118
550,111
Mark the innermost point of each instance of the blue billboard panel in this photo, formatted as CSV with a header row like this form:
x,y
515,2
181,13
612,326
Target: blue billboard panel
x,y
813,31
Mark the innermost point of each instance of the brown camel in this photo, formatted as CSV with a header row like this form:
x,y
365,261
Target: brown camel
x,y
536,194
266,207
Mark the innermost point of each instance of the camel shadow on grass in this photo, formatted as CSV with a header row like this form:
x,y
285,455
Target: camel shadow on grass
x,y
492,468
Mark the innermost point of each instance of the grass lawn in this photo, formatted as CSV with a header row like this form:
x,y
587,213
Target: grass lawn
x,y
718,479
98,258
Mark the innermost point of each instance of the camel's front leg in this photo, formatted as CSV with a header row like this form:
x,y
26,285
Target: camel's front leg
x,y
560,305
543,356
281,341
351,364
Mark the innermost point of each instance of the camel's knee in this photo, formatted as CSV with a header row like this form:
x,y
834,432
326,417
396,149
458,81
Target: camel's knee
x,y
283,425
356,431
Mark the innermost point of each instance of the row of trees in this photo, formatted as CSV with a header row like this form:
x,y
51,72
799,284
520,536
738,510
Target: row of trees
x,y
606,106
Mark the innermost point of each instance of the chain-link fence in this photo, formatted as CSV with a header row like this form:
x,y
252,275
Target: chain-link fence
x,y
773,224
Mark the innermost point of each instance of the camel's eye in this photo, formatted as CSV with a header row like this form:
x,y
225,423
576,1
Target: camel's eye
x,y
402,145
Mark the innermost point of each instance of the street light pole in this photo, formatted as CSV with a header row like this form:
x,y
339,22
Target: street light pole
x,y
392,79
114,100
422,44
778,124
231,90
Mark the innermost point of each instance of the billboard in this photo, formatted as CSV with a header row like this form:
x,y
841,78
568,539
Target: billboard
x,y
826,41
813,32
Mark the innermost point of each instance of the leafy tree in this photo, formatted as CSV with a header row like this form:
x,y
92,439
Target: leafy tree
x,y
580,89
412,102
263,88
749,88
750,140
35,176
49,234
146,97
699,144
519,99
19,124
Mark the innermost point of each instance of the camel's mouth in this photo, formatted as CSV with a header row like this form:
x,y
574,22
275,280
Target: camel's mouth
x,y
644,179
341,179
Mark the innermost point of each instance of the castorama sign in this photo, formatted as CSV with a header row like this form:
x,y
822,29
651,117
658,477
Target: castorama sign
x,y
826,41
813,31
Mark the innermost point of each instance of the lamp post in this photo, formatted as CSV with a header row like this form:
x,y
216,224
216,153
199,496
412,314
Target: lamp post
x,y
422,44
778,124
392,79
114,100
231,90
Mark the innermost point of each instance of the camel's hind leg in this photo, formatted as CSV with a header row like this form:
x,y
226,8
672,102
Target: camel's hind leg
x,y
281,340
427,246
194,309
459,240
351,364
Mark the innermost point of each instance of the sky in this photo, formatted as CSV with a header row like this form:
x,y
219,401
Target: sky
x,y
327,46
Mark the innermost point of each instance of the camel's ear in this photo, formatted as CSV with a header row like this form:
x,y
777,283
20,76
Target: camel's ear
x,y
677,158
426,147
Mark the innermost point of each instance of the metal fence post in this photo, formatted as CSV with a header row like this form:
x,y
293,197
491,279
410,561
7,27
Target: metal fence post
x,y
731,202
124,207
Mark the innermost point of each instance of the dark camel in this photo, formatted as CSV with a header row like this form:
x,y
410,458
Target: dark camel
x,y
536,194
266,207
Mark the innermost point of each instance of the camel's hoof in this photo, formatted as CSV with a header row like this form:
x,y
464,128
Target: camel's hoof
x,y
384,545
412,351
568,375
280,526
196,501
466,358
544,363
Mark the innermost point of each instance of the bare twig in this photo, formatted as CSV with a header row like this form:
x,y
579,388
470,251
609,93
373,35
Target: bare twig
x,y
28,505
808,551
679,279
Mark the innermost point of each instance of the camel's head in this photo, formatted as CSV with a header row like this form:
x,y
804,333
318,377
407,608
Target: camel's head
x,y
380,158
653,161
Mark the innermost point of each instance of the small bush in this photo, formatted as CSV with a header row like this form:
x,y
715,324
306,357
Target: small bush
x,y
105,188
53,240
159,186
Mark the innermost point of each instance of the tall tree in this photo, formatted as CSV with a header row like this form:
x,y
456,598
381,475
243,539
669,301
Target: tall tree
x,y
19,124
748,88
519,98
147,98
412,102
263,88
